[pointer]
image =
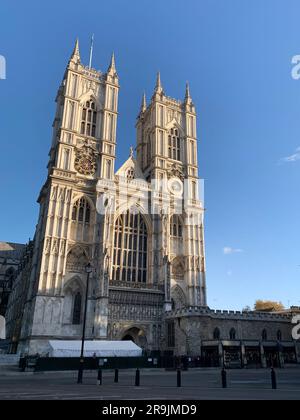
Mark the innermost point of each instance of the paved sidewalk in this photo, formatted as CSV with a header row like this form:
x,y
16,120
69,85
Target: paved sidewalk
x,y
155,384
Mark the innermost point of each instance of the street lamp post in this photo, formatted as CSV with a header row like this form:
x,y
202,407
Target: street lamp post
x,y
88,270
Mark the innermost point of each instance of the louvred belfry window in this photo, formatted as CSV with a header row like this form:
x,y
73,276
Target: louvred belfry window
x,y
174,144
89,119
81,211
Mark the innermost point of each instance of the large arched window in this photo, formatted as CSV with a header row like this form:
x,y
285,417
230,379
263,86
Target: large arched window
x,y
174,144
89,119
130,249
81,211
77,309
175,226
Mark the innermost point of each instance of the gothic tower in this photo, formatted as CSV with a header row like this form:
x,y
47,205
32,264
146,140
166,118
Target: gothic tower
x,y
69,229
167,154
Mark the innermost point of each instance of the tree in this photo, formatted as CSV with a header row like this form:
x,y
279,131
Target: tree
x,y
268,306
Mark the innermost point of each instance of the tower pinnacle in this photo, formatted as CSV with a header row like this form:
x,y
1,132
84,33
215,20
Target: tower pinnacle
x,y
144,103
187,91
112,65
158,86
75,57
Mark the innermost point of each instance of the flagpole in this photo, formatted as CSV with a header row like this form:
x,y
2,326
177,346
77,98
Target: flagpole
x,y
91,51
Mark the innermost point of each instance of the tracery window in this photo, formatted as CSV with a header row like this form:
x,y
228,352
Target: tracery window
x,y
130,249
175,226
89,119
81,211
174,144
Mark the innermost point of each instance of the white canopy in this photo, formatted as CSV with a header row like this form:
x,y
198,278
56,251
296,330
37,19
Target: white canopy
x,y
2,328
72,348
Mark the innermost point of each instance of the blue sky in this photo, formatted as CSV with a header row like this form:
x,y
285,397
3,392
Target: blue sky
x,y
237,56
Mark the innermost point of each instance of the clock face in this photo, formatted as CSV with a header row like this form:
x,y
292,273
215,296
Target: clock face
x,y
85,163
175,186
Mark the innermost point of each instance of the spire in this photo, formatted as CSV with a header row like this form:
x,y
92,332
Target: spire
x,y
158,86
144,103
187,98
76,54
187,91
112,65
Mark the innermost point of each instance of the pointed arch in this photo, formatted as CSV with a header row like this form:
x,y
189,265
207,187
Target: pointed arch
x,y
178,297
177,267
89,96
77,259
73,301
81,211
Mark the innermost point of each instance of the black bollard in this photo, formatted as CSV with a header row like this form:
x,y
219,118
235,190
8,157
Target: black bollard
x,y
178,378
116,380
273,379
99,379
137,378
23,364
224,378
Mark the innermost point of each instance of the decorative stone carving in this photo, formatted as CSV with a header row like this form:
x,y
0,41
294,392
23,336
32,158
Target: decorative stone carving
x,y
178,267
76,260
175,170
85,161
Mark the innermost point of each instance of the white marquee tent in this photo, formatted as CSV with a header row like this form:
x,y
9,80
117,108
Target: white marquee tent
x,y
2,328
72,348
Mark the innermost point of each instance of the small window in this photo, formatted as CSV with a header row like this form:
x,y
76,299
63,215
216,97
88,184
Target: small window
x,y
232,334
216,334
175,226
279,335
264,335
130,173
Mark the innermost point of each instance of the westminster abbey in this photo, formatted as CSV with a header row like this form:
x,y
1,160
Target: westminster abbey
x,y
140,228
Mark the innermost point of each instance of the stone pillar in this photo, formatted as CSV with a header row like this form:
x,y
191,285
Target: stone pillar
x,y
262,357
221,356
243,355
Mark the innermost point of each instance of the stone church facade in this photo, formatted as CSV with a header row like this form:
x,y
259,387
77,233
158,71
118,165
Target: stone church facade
x,y
140,227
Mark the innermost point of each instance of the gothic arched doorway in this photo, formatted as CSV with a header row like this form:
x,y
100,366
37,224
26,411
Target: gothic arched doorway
x,y
136,335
